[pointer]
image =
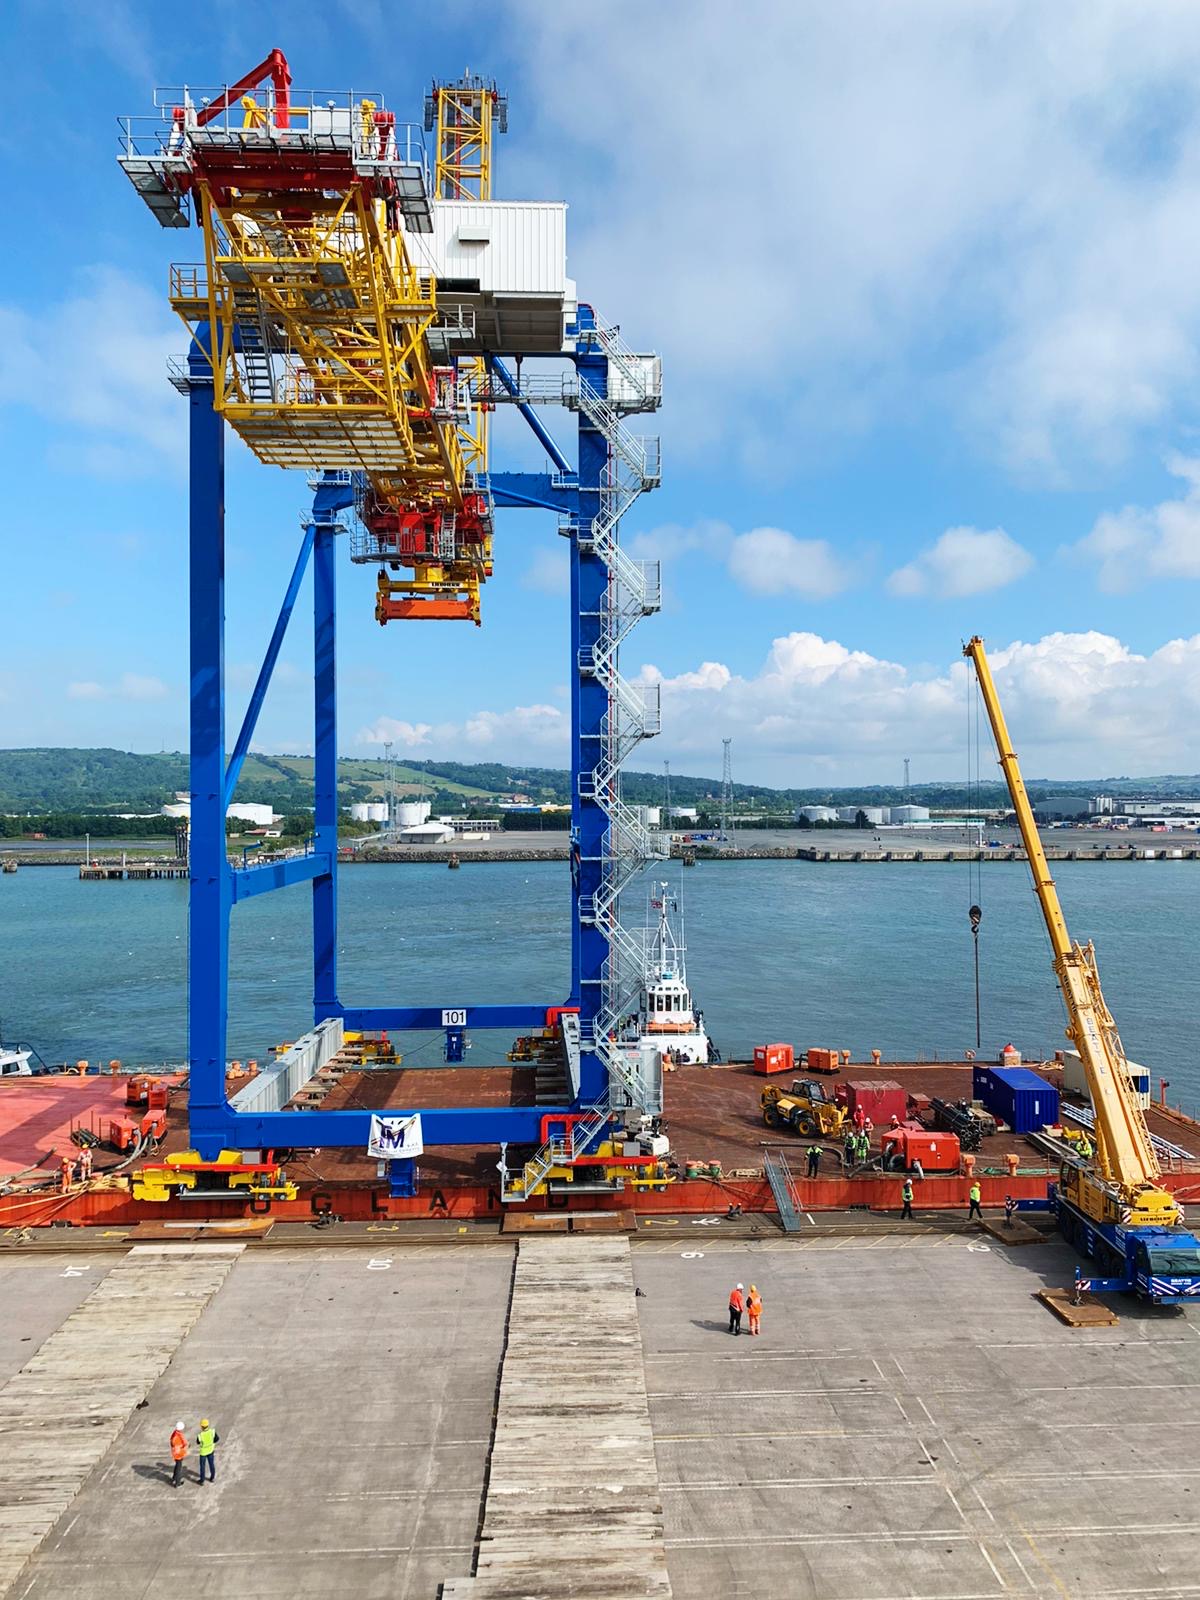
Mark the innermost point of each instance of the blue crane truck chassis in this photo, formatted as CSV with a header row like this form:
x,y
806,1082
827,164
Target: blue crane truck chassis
x,y
1158,1264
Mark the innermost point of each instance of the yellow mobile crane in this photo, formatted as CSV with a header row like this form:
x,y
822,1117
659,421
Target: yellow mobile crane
x,y
1116,1210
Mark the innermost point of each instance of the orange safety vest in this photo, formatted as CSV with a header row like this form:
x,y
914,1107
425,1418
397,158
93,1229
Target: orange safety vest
x,y
179,1446
735,1301
754,1305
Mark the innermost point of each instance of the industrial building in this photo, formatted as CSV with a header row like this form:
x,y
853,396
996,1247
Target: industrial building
x,y
1145,808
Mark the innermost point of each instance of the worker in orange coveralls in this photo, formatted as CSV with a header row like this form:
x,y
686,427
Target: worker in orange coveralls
x,y
737,1305
753,1308
179,1450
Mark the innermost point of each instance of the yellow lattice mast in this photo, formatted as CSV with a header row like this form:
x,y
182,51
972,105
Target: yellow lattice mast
x,y
464,116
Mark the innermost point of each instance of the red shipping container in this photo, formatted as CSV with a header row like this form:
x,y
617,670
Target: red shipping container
x,y
880,1098
773,1058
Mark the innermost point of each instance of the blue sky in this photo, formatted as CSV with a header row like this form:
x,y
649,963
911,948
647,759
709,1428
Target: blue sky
x,y
926,281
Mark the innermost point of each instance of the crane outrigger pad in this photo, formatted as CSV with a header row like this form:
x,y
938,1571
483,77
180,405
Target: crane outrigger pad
x,y
1088,1313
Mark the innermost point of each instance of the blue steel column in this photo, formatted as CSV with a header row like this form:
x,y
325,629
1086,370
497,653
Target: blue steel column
x,y
325,1001
211,891
588,709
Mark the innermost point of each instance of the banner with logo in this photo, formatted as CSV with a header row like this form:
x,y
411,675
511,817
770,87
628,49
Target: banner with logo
x,y
395,1138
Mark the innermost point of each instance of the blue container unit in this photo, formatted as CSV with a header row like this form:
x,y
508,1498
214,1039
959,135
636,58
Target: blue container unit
x,y
1017,1096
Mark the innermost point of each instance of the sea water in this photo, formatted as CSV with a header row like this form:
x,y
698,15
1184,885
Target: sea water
x,y
856,956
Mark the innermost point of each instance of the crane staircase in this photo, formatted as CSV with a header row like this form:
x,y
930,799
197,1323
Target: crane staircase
x,y
633,591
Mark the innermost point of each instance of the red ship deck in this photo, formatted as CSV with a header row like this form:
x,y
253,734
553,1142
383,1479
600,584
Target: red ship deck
x,y
713,1116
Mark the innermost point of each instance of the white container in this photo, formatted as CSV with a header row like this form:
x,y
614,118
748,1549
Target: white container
x,y
1075,1079
510,246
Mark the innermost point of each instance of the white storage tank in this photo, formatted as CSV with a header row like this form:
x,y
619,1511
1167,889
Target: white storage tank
x,y
875,815
908,814
817,814
412,813
368,811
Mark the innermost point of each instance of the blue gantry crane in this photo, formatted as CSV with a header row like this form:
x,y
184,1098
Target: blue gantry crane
x,y
359,316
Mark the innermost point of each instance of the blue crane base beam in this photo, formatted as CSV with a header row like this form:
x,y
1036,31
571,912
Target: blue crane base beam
x,y
429,1018
216,1128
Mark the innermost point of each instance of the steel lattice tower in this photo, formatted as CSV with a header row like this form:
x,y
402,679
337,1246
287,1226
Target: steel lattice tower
x,y
727,794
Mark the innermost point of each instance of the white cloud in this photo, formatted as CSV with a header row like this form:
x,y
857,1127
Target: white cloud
x,y
767,561
539,728
130,686
1138,543
389,730
1079,705
963,561
520,733
93,366
549,572
772,561
991,212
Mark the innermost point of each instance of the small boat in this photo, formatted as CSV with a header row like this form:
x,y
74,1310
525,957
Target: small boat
x,y
14,1062
453,862
9,864
668,1016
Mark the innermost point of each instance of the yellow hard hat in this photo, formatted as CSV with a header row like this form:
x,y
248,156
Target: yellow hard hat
x,y
204,1422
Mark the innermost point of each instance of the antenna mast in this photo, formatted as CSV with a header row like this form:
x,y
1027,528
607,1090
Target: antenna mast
x,y
727,794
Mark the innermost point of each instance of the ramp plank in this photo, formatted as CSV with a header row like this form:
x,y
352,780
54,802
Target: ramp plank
x,y
573,1508
62,1411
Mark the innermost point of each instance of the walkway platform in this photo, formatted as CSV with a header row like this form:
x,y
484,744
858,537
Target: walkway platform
x,y
573,1504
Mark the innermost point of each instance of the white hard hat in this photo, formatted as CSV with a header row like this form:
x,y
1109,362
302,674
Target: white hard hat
x,y
179,1426
741,1285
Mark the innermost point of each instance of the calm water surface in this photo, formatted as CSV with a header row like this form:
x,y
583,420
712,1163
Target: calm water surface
x,y
855,956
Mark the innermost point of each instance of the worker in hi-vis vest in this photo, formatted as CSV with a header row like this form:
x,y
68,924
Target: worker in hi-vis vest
x,y
206,1443
975,1209
179,1449
906,1195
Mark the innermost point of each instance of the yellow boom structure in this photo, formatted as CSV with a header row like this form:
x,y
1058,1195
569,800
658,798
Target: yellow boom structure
x,y
1121,1189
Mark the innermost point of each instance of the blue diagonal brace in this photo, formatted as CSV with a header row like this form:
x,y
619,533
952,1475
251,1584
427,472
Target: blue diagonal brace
x,y
250,720
531,416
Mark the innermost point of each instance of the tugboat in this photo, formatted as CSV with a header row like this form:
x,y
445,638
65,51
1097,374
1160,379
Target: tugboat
x,y
668,1016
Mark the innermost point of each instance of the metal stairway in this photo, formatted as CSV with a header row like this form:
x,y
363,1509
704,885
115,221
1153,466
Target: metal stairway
x,y
783,1187
560,1151
633,591
253,345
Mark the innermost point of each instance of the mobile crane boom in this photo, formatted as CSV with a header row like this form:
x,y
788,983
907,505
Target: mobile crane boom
x,y
1122,1190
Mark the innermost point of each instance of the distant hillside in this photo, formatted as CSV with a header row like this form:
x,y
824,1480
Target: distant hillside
x,y
94,781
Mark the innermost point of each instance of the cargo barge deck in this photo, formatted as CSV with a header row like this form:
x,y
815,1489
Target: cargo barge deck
x,y
713,1116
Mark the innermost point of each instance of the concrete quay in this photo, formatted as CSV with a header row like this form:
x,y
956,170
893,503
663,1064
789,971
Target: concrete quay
x,y
911,1423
